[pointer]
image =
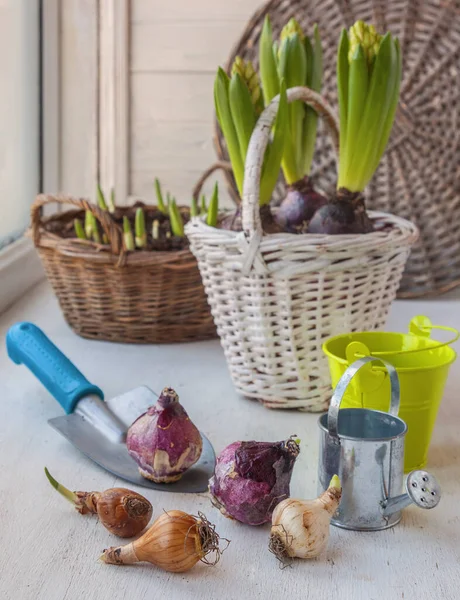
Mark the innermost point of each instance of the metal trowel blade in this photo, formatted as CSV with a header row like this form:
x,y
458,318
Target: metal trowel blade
x,y
114,457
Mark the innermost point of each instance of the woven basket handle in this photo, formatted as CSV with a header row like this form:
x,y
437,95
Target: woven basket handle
x,y
111,229
258,145
223,166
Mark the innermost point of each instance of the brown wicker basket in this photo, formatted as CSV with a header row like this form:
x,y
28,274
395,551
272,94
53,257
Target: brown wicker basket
x,y
109,294
419,177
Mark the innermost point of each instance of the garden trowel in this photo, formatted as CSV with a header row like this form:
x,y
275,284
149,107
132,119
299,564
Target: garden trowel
x,y
97,428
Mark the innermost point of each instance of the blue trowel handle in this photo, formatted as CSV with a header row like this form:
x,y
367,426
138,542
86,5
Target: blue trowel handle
x,y
27,344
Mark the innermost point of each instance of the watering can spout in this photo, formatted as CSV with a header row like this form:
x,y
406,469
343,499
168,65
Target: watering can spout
x,y
422,489
395,504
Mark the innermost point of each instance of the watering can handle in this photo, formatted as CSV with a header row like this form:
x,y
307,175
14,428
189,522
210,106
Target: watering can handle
x,y
337,396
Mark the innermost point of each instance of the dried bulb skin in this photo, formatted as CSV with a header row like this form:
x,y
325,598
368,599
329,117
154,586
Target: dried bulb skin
x,y
308,533
175,542
163,441
86,502
343,214
250,478
300,528
124,512
299,206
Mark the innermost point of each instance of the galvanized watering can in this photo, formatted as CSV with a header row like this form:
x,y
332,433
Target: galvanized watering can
x,y
365,448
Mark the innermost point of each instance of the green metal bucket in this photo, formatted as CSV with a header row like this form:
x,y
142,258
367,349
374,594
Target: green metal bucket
x,y
422,365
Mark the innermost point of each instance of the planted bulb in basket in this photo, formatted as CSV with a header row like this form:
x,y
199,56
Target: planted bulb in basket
x,y
368,81
298,60
237,116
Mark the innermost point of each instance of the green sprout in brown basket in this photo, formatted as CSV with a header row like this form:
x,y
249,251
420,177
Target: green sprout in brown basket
x,y
146,228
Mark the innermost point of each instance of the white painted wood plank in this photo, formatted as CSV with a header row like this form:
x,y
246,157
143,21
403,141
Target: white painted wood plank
x,y
78,89
187,10
180,183
163,143
175,97
51,96
49,552
156,144
182,46
171,130
114,97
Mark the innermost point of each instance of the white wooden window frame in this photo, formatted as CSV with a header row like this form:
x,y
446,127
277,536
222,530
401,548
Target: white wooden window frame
x,y
114,97
20,266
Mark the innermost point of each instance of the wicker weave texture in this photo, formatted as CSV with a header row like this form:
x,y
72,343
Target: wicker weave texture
x,y
276,298
107,294
419,176
272,325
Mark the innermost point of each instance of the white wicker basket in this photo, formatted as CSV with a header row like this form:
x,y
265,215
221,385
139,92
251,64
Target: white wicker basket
x,y
276,298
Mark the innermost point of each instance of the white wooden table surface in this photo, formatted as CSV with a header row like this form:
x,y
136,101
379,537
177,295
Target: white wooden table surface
x,y
49,552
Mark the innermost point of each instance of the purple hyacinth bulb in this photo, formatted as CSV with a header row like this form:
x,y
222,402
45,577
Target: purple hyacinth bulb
x,y
163,441
251,478
299,206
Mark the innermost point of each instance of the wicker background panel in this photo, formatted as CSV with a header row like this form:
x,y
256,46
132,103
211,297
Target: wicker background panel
x,y
419,176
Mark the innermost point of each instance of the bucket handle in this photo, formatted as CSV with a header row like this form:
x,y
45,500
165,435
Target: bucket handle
x,y
422,326
337,396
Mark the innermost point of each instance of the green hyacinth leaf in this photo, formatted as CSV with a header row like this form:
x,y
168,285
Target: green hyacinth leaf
x,y
101,199
275,150
342,90
268,67
388,125
211,218
79,231
293,69
128,234
175,219
378,102
358,84
242,111
224,116
139,228
194,210
314,54
160,202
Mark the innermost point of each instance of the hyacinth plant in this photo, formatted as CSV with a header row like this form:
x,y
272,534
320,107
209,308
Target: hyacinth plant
x,y
299,61
368,80
238,103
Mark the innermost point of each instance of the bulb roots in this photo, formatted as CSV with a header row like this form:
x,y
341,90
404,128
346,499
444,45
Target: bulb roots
x,y
278,544
210,540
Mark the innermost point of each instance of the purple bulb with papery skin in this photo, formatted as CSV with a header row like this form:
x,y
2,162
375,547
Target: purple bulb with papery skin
x,y
163,441
299,206
251,478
